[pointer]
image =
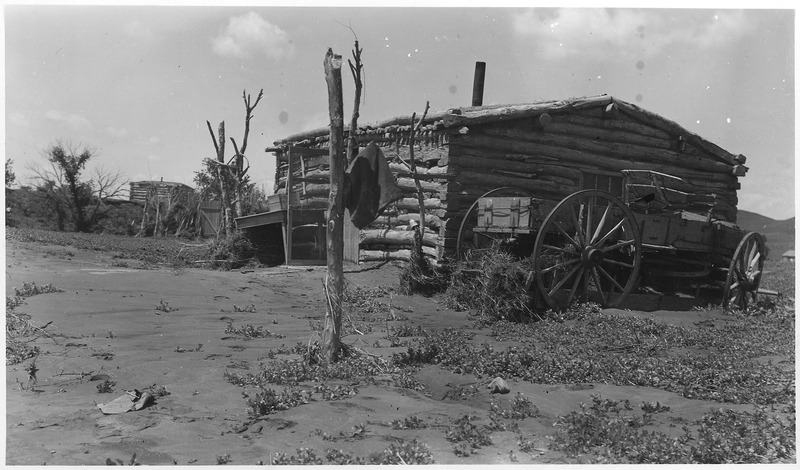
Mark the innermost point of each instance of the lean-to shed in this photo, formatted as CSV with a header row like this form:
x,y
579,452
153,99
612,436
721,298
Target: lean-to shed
x,y
550,148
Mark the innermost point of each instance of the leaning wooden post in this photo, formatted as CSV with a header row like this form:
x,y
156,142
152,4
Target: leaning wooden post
x,y
334,282
420,196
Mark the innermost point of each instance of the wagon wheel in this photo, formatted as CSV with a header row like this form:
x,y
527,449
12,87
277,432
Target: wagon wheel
x,y
469,240
588,248
744,273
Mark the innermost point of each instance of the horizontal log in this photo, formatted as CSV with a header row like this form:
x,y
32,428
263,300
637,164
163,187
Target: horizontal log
x,y
431,221
673,128
434,173
471,157
615,150
408,184
395,237
581,159
537,186
504,113
413,203
622,125
605,135
388,255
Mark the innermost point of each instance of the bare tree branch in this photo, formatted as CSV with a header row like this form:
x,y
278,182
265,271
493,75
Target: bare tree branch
x,y
213,138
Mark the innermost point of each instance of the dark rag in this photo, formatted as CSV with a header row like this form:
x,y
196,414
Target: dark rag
x,y
370,186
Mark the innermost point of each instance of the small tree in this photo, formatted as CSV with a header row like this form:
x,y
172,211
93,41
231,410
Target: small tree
x,y
10,176
71,197
72,162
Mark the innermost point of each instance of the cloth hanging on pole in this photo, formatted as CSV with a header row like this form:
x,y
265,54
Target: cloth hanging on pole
x,y
370,186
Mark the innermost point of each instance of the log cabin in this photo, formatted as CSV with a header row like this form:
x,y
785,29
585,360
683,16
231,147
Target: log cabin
x,y
550,148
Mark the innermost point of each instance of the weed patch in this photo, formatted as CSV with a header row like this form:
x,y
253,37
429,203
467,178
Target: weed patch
x,y
248,309
251,332
467,436
593,347
610,430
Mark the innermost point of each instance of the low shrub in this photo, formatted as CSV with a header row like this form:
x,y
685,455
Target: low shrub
x,y
232,251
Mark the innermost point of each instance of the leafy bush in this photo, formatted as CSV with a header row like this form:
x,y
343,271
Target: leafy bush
x,y
521,408
268,401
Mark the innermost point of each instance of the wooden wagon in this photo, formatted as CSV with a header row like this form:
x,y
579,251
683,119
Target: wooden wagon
x,y
593,245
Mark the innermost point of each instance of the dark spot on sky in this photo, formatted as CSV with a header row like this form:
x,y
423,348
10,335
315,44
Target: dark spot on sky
x,y
640,65
283,117
641,35
453,89
639,97
640,28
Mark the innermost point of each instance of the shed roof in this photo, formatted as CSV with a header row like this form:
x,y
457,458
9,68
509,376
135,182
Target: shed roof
x,y
472,115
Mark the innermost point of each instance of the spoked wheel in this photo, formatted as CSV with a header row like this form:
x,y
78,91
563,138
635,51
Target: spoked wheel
x,y
469,240
744,273
588,248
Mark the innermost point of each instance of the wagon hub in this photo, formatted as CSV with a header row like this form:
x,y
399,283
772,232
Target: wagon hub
x,y
591,256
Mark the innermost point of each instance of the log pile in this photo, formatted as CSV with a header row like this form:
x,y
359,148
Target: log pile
x,y
550,149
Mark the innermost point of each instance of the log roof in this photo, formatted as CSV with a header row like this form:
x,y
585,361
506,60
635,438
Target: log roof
x,y
455,118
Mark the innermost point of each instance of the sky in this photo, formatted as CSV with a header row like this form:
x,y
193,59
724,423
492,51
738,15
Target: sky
x,y
138,83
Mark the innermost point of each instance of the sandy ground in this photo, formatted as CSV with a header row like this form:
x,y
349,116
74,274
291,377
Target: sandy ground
x,y
105,322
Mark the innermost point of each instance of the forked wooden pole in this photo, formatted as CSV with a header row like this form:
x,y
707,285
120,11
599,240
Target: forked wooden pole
x,y
334,284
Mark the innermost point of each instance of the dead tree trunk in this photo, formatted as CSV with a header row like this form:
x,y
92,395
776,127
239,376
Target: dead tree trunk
x,y
240,171
355,69
227,220
334,282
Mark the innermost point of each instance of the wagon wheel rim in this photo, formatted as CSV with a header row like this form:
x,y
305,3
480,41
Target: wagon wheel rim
x,y
744,272
467,239
587,248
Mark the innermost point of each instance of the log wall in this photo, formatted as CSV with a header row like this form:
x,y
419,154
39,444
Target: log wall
x,y
390,237
551,150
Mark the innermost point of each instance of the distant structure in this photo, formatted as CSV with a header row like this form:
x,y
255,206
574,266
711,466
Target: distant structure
x,y
140,189
788,256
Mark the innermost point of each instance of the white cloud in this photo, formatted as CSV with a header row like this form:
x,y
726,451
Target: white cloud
x,y
19,119
153,140
627,33
75,121
114,132
153,158
251,34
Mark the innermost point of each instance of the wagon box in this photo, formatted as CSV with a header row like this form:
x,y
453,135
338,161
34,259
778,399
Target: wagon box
x,y
517,214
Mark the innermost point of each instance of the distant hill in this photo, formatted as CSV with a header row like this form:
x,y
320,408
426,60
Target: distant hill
x,y
778,233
